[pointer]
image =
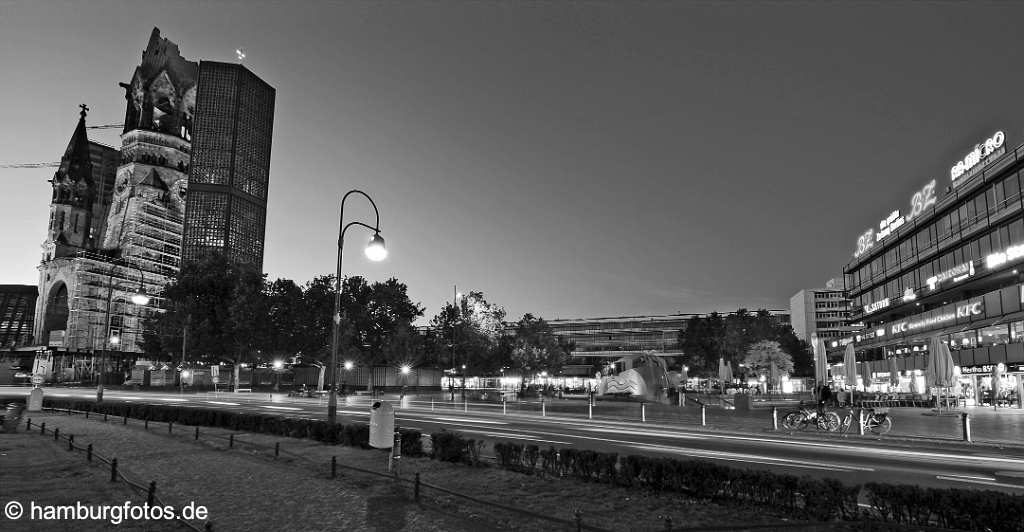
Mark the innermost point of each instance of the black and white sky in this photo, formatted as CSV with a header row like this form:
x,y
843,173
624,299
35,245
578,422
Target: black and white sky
x,y
568,159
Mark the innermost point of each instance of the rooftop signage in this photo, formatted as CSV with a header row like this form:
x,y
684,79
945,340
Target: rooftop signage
x,y
956,273
877,305
921,200
977,158
1011,253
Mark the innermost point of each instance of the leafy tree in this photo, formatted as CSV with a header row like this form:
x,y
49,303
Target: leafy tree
x,y
283,334
470,332
760,356
708,338
536,348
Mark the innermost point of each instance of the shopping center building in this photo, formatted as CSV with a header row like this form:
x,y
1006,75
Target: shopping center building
x,y
949,265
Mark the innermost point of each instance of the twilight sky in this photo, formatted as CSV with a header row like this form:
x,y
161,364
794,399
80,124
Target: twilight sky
x,y
567,159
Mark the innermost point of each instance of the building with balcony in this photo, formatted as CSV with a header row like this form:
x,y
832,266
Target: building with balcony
x,y
821,312
948,266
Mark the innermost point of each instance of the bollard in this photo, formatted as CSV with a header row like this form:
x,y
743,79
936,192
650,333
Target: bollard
x,y
125,422
208,527
231,441
170,426
334,466
42,428
56,433
703,416
465,405
145,424
113,470
966,418
104,416
504,407
431,404
578,517
590,410
543,408
86,414
416,488
197,433
88,453
71,442
151,497
643,412
860,421
69,410
277,449
28,424
775,418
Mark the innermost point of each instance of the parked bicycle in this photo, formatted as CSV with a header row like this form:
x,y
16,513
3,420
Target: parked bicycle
x,y
875,420
803,417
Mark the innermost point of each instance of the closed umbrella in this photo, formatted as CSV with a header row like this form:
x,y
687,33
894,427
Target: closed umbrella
x,y
773,373
865,372
894,372
997,378
850,368
722,373
820,361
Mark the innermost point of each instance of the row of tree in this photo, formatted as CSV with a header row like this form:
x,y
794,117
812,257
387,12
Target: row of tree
x,y
217,310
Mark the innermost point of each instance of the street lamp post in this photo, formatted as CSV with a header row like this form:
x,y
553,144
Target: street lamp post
x,y
375,251
139,298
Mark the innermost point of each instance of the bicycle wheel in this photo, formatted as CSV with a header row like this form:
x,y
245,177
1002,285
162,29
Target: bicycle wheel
x,y
792,420
881,427
829,421
844,425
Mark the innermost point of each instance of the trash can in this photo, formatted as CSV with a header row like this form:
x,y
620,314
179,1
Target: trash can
x,y
741,401
382,425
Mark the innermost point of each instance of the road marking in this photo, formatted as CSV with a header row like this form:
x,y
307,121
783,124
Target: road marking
x,y
222,403
469,420
984,482
751,458
515,436
281,407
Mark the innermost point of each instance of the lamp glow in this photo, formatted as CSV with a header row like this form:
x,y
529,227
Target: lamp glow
x,y
405,369
278,364
115,339
375,250
348,365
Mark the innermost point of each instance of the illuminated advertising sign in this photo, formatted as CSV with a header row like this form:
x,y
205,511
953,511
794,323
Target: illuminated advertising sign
x,y
909,295
877,305
957,273
921,200
986,369
1011,253
994,146
965,310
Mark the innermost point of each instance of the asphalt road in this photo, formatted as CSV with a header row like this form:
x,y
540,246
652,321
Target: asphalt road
x,y
741,440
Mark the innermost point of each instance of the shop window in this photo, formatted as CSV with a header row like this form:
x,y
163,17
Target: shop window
x,y
994,335
964,340
1017,331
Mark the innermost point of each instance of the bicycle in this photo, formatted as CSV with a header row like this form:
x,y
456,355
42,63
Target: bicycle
x,y
799,419
876,421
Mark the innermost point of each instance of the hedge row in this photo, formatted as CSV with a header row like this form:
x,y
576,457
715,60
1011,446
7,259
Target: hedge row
x,y
805,497
949,508
351,434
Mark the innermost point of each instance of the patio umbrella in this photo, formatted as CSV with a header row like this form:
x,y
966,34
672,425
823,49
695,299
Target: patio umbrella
x,y
894,372
721,373
997,377
320,379
939,373
773,374
850,368
865,372
820,361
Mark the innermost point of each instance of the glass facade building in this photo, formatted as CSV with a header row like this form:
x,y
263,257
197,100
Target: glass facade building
x,y
950,267
226,209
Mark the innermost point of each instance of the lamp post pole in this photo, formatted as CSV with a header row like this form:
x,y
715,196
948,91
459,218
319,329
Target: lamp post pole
x,y
139,298
375,251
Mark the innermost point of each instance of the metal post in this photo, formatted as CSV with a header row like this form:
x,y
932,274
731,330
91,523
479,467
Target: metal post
x,y
125,421
590,410
56,433
775,418
860,421
151,497
431,404
643,412
465,405
113,470
42,428
543,408
197,433
277,449
231,441
416,488
504,407
88,453
170,427
71,442
145,424
966,418
334,466
578,518
28,424
703,415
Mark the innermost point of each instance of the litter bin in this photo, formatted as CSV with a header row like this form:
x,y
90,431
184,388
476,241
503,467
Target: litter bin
x,y
741,401
382,425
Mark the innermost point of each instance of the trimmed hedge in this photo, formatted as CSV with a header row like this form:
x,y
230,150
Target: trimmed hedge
x,y
350,434
949,508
